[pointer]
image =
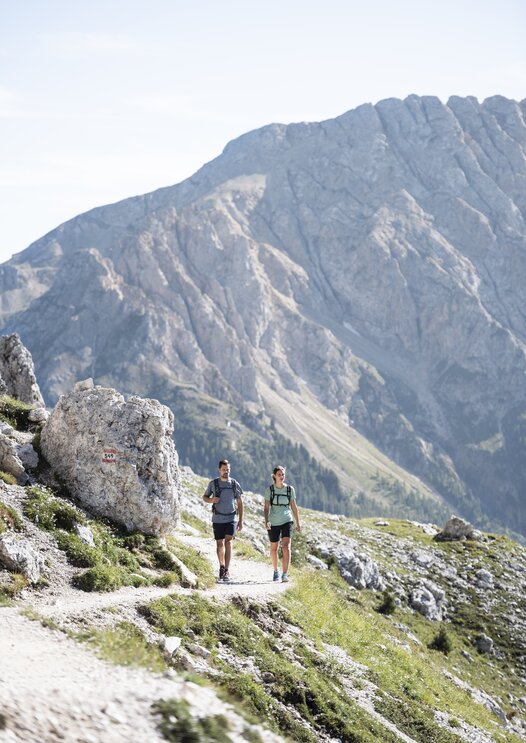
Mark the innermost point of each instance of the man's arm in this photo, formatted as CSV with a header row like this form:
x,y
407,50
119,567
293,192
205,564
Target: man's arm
x,y
239,513
210,498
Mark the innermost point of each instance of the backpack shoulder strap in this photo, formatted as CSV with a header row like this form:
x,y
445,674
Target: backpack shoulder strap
x,y
289,493
272,493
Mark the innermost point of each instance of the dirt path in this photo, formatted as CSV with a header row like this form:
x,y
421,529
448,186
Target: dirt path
x,y
54,689
248,578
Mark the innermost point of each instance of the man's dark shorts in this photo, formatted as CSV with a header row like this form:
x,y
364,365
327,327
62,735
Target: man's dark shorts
x,y
283,530
223,530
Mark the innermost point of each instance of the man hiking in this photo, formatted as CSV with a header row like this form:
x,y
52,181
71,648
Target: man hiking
x,y
227,508
280,512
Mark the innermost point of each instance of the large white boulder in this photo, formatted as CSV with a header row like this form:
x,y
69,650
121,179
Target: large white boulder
x,y
456,529
18,554
117,456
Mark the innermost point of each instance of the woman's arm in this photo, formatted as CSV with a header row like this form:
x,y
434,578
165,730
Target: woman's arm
x,y
266,509
296,513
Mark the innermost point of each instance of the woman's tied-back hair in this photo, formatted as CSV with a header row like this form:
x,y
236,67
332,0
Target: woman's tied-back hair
x,y
277,469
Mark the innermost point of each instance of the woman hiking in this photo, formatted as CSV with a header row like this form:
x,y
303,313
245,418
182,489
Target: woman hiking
x,y
280,512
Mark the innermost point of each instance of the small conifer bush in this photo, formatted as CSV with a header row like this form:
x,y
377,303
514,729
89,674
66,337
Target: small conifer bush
x,y
388,604
441,642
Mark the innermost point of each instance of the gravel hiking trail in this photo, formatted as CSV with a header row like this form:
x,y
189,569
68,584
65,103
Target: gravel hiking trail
x,y
54,689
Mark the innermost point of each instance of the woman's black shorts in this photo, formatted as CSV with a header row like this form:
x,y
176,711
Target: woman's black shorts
x,y
283,530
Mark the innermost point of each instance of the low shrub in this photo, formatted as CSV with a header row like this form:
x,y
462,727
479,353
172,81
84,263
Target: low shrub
x,y
177,724
166,580
100,578
441,642
49,512
134,541
388,605
79,553
9,519
163,559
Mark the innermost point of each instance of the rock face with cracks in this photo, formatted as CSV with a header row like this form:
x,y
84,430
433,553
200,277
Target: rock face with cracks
x,y
117,456
17,372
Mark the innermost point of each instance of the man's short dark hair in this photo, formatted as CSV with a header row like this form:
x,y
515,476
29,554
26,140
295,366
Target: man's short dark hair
x,y
222,462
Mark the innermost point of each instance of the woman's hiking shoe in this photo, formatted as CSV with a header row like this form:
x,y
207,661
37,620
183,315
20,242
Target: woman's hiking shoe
x,y
284,578
276,575
222,572
226,574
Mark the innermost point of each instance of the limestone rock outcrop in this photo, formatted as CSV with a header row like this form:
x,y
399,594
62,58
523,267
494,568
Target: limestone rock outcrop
x,y
9,458
457,529
429,600
17,372
19,555
17,455
116,456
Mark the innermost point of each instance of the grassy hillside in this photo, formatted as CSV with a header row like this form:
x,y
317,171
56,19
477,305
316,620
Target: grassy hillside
x,y
322,661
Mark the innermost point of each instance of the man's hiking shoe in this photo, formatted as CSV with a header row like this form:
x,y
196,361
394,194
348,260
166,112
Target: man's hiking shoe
x,y
221,572
284,578
226,574
276,575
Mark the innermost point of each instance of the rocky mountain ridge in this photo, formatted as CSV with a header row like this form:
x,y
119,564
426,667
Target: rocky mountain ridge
x,y
389,629
359,278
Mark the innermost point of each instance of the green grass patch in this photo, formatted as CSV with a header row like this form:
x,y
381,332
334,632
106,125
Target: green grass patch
x,y
115,559
79,553
193,521
194,560
312,690
11,587
101,578
245,550
8,478
166,580
177,724
9,519
125,645
212,623
49,512
324,607
411,720
14,412
35,616
399,528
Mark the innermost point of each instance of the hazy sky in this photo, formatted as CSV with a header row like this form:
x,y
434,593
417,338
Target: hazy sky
x,y
106,99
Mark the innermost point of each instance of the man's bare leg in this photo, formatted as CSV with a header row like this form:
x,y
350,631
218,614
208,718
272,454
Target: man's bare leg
x,y
220,547
228,551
